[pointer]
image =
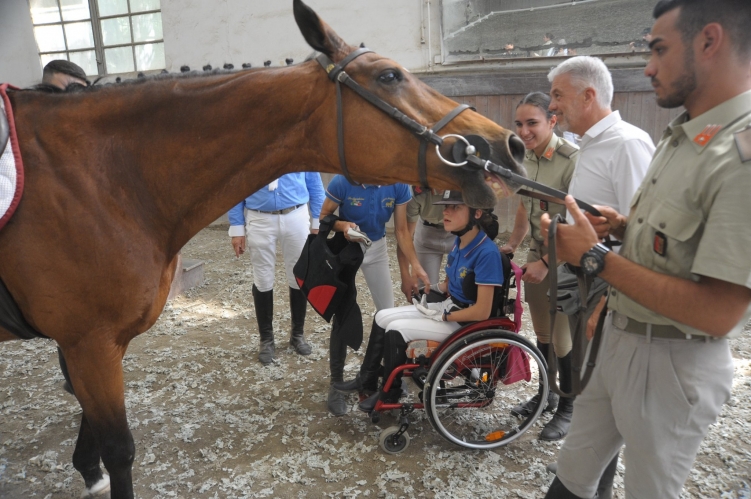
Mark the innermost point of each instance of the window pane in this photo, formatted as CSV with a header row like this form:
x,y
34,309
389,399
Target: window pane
x,y
119,60
112,7
116,31
147,27
144,5
47,58
75,10
79,35
87,60
44,11
50,38
150,56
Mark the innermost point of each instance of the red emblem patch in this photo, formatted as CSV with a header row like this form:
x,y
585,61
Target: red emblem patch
x,y
660,244
706,135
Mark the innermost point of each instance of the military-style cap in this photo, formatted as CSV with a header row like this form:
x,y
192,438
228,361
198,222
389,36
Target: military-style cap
x,y
450,197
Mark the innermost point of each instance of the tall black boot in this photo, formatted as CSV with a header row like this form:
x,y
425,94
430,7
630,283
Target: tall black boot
x,y
367,379
298,306
394,355
336,402
605,487
557,428
525,409
264,304
559,491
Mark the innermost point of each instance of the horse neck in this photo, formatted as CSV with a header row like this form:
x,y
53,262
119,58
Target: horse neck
x,y
203,144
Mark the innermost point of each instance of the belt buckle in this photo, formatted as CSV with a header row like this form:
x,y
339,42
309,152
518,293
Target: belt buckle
x,y
620,321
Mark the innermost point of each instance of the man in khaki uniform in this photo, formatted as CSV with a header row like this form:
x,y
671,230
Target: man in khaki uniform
x,y
682,283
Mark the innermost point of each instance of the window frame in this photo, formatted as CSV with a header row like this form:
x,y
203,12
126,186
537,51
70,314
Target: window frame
x,y
96,27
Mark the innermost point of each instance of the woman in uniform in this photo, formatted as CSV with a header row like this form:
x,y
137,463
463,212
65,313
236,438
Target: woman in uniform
x,y
550,160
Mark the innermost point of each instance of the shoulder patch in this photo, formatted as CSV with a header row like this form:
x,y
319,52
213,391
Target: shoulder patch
x,y
567,150
743,143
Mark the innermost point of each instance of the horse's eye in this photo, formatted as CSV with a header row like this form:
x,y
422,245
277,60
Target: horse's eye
x,y
389,77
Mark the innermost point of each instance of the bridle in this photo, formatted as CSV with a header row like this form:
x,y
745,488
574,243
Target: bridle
x,y
426,135
469,156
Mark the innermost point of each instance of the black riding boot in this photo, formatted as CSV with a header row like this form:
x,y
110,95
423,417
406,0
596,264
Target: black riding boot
x,y
367,379
264,304
557,428
559,491
336,402
605,487
298,306
394,355
524,409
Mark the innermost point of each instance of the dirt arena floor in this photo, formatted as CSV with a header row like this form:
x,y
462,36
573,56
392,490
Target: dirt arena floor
x,y
210,421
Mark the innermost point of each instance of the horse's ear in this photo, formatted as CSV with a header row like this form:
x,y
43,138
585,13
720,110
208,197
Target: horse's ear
x,y
317,33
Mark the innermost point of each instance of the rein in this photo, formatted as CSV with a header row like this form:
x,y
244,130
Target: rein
x,y
578,337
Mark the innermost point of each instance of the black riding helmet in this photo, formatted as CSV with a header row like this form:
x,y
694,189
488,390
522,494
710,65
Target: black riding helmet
x,y
455,197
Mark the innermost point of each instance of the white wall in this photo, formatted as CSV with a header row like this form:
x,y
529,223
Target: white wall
x,y
19,56
197,32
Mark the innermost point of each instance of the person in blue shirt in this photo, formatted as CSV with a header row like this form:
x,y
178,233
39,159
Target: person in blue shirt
x,y
277,213
367,208
475,260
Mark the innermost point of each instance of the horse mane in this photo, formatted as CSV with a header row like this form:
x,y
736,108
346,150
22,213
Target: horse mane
x,y
95,87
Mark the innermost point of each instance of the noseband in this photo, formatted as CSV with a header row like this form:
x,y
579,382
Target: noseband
x,y
427,135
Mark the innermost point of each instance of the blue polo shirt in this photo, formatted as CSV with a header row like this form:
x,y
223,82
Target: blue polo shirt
x,y
368,206
480,256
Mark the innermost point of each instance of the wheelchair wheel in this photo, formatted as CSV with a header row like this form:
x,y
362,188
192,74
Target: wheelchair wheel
x,y
469,391
389,444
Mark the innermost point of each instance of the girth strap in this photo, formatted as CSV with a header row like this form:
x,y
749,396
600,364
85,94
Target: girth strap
x,y
422,166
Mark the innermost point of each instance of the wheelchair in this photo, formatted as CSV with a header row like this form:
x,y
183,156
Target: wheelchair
x,y
469,382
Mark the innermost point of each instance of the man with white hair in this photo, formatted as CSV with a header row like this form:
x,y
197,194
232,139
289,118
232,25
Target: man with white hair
x,y
613,159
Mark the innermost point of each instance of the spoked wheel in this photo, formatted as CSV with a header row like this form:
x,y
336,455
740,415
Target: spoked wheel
x,y
392,444
469,391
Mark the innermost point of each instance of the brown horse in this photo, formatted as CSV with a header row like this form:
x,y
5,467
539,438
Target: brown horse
x,y
119,178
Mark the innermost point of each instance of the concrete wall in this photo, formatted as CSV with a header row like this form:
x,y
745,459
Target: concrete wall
x,y
19,56
197,32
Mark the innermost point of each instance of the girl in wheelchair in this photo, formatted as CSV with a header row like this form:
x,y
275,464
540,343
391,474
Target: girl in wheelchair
x,y
474,270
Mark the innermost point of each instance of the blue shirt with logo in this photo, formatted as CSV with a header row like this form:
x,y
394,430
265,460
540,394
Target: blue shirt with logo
x,y
480,256
368,206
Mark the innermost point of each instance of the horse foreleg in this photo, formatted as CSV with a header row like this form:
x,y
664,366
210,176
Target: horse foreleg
x,y
95,368
86,461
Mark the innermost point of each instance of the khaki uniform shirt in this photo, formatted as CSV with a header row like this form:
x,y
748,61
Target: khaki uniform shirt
x,y
690,216
554,168
421,206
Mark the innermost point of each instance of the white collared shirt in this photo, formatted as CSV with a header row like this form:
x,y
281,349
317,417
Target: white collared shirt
x,y
613,159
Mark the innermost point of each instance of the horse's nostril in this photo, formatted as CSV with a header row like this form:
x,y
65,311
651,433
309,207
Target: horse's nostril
x,y
516,147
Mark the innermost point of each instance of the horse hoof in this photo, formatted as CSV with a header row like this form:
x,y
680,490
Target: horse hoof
x,y
99,489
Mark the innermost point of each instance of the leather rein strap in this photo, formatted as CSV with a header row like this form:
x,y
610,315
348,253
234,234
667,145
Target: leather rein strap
x,y
578,337
337,74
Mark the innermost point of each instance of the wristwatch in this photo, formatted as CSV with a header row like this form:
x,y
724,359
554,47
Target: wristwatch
x,y
593,261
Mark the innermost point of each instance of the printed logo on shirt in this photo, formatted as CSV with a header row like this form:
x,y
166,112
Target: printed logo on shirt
x,y
355,201
463,272
388,202
706,135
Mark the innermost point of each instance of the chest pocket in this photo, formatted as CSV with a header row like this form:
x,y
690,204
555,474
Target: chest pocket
x,y
679,232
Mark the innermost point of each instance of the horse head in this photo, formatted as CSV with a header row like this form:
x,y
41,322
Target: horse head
x,y
378,149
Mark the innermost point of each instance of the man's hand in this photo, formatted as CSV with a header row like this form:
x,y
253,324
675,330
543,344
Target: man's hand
x,y
409,287
611,222
507,249
536,272
238,244
314,231
419,273
342,226
572,241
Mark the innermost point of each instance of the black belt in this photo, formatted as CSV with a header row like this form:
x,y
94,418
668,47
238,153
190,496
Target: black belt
x,y
279,212
428,224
